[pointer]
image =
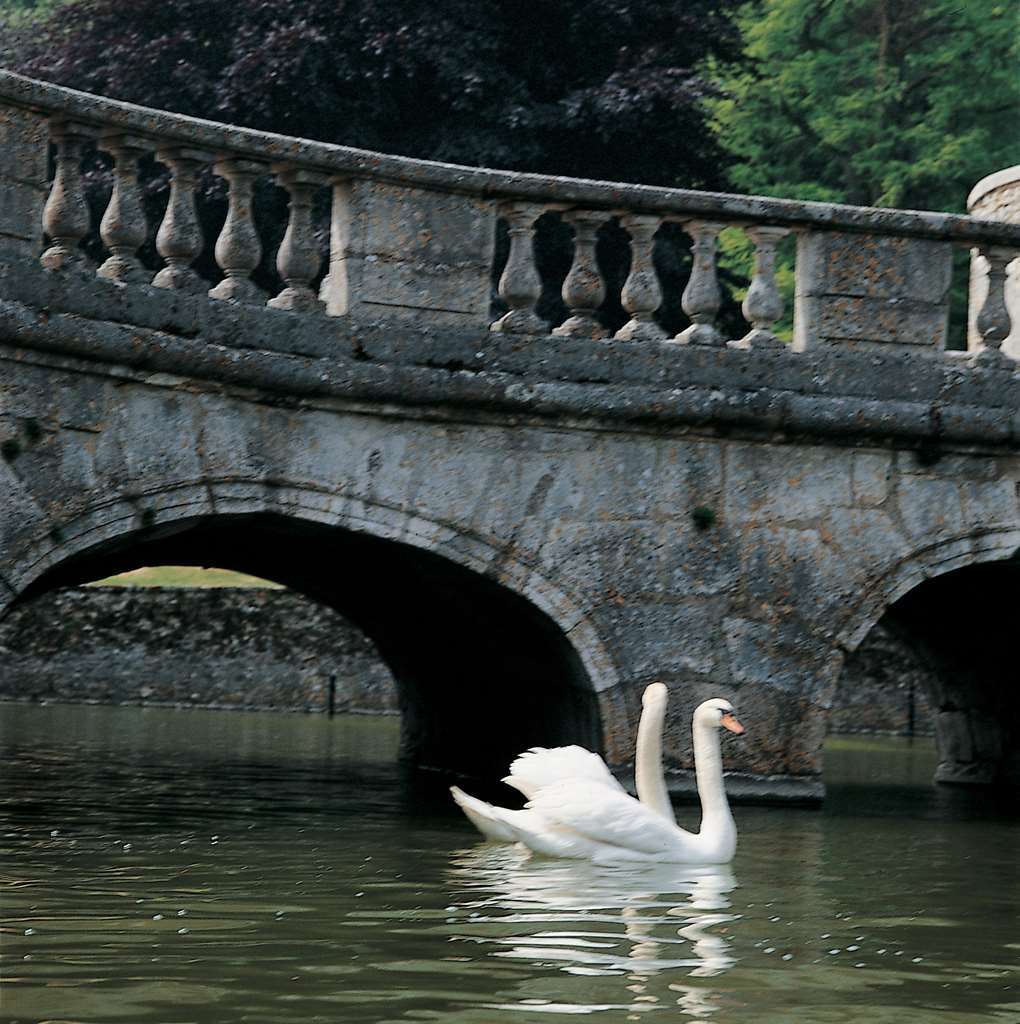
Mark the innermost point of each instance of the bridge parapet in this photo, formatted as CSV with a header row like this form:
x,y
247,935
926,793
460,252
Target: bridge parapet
x,y
412,242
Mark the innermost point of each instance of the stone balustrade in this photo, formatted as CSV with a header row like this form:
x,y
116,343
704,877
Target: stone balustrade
x,y
413,242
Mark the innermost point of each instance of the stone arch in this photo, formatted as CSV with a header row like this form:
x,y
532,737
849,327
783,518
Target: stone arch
x,y
943,601
191,522
988,544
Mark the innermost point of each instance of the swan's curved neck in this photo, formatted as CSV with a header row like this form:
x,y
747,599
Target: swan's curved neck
x,y
715,809
648,776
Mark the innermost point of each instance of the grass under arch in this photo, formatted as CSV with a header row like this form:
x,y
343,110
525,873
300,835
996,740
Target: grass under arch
x,y
183,576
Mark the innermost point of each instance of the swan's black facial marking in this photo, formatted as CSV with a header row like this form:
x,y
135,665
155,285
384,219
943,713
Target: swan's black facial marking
x,y
728,720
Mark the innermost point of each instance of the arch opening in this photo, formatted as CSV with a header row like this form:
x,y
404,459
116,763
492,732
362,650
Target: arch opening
x,y
954,634
190,637
481,673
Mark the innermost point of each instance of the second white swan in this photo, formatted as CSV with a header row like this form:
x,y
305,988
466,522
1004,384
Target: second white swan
x,y
577,809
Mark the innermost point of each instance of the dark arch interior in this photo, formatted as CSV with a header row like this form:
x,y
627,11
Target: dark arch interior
x,y
961,627
481,673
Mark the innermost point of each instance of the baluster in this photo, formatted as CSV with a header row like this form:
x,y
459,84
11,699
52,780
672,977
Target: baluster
x,y
123,227
179,240
238,249
993,322
763,305
520,285
335,290
583,289
66,214
298,258
641,295
701,298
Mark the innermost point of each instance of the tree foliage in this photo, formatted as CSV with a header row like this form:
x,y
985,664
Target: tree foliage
x,y
594,88
875,102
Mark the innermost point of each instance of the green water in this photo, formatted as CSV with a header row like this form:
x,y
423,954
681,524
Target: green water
x,y
176,866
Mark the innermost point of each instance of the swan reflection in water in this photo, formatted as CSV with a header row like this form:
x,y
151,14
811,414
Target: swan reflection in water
x,y
642,923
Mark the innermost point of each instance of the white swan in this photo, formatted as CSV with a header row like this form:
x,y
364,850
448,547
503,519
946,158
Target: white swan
x,y
577,809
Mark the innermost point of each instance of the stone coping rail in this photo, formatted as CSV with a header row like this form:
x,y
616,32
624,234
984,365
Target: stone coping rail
x,y
232,140
412,242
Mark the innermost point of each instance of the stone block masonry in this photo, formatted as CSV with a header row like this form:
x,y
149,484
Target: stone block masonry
x,y
884,689
210,647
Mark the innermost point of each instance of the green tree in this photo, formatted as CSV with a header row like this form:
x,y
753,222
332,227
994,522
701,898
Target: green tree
x,y
874,102
902,103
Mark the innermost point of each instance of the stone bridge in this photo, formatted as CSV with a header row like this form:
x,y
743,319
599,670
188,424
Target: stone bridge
x,y
532,521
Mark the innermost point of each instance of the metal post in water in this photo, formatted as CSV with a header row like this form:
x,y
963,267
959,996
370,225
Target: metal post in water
x,y
332,694
910,708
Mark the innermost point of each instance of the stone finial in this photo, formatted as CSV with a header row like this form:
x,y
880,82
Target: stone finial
x,y
238,249
701,298
583,289
520,285
641,295
993,321
179,240
123,227
66,214
763,305
298,258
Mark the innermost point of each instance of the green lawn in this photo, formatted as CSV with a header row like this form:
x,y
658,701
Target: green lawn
x,y
182,576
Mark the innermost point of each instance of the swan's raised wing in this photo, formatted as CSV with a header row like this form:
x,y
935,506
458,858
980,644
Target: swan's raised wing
x,y
607,816
540,767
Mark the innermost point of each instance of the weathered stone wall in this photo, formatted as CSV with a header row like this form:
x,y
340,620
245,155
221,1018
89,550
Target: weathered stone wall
x,y
883,688
799,549
215,647
273,649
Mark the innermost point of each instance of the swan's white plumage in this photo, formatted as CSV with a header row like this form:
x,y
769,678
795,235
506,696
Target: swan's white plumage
x,y
606,817
490,821
577,809
544,766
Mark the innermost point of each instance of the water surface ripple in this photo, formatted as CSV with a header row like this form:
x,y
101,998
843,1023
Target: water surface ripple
x,y
178,866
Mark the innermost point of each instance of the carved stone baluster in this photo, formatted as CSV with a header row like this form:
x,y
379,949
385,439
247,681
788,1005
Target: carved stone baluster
x,y
583,289
66,214
336,290
298,259
641,295
520,285
993,322
701,298
179,240
123,227
763,305
238,249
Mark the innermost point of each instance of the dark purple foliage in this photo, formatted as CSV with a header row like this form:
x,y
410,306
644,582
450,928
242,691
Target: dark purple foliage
x,y
600,88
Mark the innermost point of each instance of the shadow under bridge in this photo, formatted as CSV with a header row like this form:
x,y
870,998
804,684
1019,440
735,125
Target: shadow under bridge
x,y
482,674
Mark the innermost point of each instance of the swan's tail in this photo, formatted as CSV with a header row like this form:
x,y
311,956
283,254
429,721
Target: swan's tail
x,y
506,826
486,818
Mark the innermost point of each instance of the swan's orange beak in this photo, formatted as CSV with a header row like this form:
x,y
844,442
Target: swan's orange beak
x,y
732,724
